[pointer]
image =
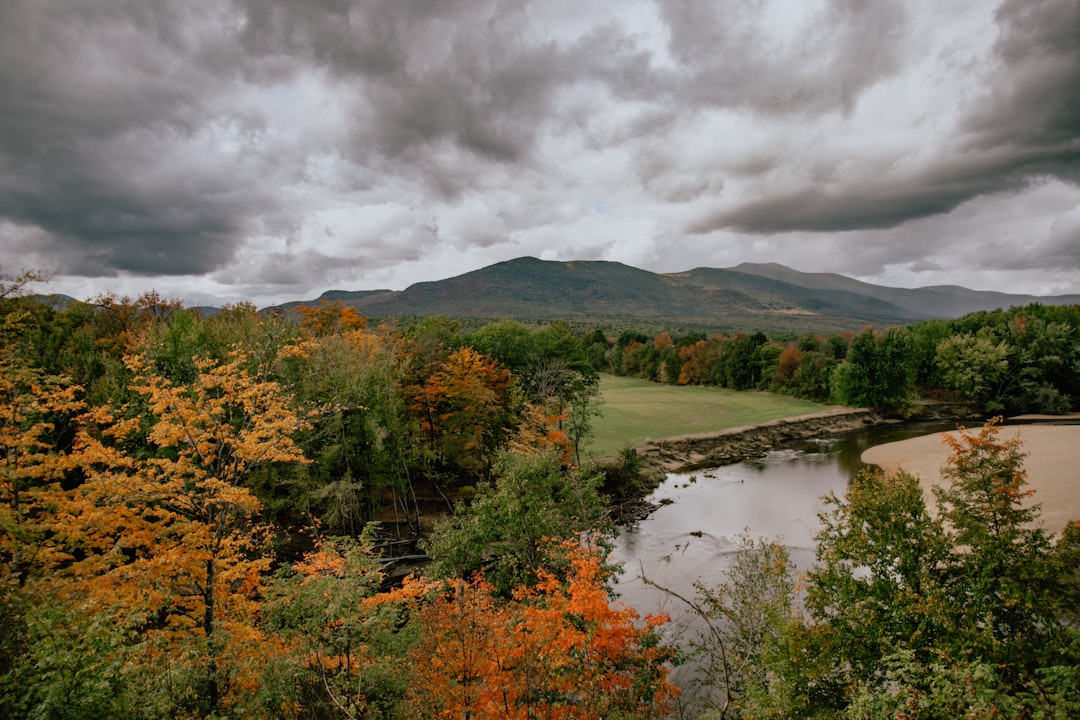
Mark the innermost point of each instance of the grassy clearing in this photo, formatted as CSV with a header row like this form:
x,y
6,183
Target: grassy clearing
x,y
635,410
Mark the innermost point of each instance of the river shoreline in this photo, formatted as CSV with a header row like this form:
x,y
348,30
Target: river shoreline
x,y
1053,454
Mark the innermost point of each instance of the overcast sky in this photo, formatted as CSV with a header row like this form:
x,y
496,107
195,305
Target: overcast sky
x,y
273,149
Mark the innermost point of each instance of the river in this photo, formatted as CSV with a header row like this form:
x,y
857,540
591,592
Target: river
x,y
692,536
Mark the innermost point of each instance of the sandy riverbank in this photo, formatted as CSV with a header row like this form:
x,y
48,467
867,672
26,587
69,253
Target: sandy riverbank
x,y
1052,464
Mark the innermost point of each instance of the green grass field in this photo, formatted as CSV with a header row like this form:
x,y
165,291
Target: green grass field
x,y
635,410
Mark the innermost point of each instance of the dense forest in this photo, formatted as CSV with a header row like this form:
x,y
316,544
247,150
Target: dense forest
x,y
200,513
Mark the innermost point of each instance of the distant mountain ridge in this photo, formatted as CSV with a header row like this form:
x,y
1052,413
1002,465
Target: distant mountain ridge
x,y
931,301
751,295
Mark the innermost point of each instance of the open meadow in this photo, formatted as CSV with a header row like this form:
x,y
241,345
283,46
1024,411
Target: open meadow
x,y
635,410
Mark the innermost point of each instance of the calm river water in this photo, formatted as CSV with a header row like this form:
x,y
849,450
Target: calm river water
x,y
693,537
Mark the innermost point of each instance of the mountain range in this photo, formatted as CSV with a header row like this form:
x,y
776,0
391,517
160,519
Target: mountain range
x,y
757,296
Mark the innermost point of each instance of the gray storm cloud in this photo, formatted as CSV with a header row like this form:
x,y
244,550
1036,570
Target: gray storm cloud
x,y
1024,126
259,140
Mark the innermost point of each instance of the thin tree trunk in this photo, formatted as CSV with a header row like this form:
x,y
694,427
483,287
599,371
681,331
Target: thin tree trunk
x,y
213,692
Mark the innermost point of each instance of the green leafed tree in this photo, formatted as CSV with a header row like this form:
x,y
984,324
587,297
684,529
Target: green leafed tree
x,y
877,372
1002,571
342,653
878,585
975,366
358,436
969,612
745,657
507,528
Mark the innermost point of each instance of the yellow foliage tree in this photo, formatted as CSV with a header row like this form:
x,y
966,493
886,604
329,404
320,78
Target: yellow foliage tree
x,y
330,318
163,534
30,403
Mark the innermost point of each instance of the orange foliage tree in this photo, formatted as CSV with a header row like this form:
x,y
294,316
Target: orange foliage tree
x,y
560,649
457,649
541,428
330,318
788,363
464,409
120,320
698,361
31,403
163,535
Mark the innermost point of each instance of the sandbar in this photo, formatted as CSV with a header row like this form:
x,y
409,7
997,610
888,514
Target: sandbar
x,y
1052,465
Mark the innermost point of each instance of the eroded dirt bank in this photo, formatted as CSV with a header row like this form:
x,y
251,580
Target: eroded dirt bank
x,y
690,452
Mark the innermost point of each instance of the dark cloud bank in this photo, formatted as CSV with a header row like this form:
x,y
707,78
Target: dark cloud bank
x,y
162,138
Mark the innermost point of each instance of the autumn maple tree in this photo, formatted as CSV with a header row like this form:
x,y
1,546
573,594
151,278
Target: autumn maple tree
x,y
544,427
330,318
559,649
463,410
167,538
36,410
32,404
697,362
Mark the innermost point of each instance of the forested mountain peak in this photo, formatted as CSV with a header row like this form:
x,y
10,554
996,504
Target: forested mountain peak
x,y
749,296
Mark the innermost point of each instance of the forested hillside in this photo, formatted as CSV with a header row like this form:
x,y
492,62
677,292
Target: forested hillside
x,y
199,516
749,298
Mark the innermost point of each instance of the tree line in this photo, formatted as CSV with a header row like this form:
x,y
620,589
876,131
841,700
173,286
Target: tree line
x,y
1024,359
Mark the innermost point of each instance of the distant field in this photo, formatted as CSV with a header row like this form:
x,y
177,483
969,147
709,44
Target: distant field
x,y
636,410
